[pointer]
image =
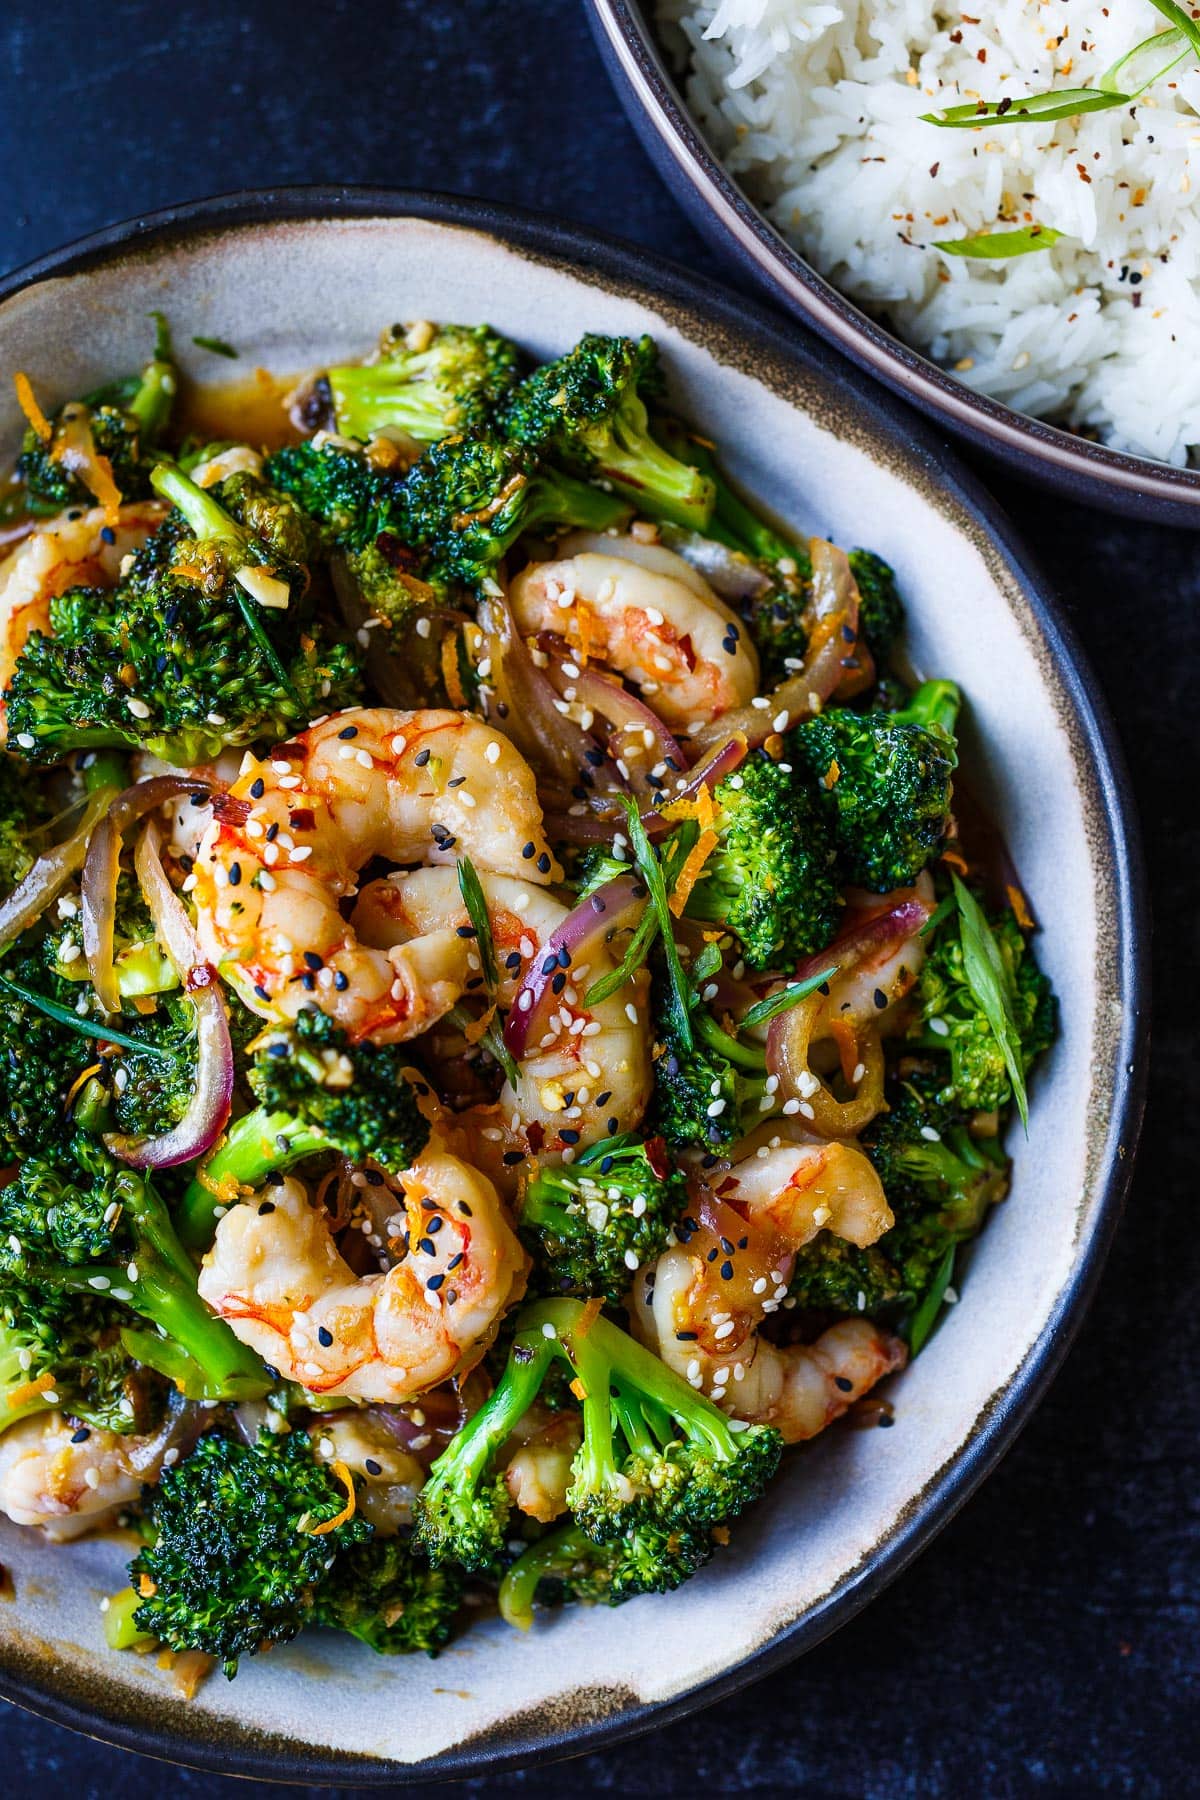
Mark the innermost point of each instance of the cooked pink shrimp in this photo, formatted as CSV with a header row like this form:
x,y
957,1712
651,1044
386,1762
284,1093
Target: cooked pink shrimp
x,y
588,1073
645,612
64,1484
285,1289
65,552
287,843
703,1316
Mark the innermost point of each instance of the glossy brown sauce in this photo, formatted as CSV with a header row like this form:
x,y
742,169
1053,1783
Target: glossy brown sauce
x,y
249,408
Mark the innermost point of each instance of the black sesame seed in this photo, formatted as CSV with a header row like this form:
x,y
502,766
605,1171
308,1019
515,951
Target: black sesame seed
x,y
108,534
434,1283
371,1466
81,1436
465,1210
513,960
569,1137
606,1163
885,1419
528,850
559,983
421,758
465,931
604,1098
312,959
842,1382
712,1255
272,832
257,788
261,991
726,1271
880,999
687,1337
350,731
612,1126
341,981
235,873
434,1225
564,958
267,1206
543,863
512,1157
374,1178
324,1337
726,1246
426,1246
456,781
308,982
455,1259
549,965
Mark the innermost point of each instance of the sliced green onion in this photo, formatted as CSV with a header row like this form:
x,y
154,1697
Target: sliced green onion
x,y
787,997
1055,103
218,346
650,870
926,1315
1001,243
1146,63
63,1015
636,952
987,977
471,889
943,909
1181,19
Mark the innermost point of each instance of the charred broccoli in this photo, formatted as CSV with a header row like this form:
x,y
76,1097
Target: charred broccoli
x,y
591,1223
428,381
885,781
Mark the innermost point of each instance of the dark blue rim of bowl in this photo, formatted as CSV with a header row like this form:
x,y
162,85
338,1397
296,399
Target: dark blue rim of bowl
x,y
654,277
1091,472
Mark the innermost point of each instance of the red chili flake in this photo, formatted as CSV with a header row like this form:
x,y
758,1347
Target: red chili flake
x,y
229,810
303,819
1083,174
981,56
933,169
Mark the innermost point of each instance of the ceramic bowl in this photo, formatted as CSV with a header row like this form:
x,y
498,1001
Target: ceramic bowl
x,y
1039,452
293,279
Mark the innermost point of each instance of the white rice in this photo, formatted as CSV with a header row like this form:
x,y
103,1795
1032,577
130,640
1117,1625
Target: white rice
x,y
814,105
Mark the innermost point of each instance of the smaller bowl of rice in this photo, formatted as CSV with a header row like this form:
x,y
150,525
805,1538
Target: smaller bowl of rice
x,y
992,213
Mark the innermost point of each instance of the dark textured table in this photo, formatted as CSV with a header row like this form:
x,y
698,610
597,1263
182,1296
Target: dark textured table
x,y
1047,1642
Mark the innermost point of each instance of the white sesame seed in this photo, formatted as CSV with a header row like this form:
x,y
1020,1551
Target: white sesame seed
x,y
138,708
939,1027
790,1107
423,628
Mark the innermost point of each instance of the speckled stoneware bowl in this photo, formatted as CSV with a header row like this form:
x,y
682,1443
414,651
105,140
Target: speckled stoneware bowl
x,y
295,278
692,169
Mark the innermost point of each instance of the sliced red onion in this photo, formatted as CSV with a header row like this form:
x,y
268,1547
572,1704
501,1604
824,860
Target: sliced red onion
x,y
51,872
625,712
208,1110
102,867
527,704
730,574
870,923
581,934
832,621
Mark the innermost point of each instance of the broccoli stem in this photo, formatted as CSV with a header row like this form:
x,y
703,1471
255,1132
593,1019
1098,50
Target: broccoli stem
x,y
733,523
746,1056
556,499
120,1631
262,1143
934,703
465,1462
105,768
206,517
554,1556
152,403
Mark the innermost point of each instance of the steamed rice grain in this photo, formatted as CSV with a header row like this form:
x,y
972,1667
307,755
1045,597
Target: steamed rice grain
x,y
815,109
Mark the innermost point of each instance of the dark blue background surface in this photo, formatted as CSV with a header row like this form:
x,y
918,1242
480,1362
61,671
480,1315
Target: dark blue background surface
x,y
1047,1643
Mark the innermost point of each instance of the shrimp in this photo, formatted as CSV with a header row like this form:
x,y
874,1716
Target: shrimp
x,y
76,549
589,1072
287,843
701,1305
647,613
538,1471
65,1483
275,1273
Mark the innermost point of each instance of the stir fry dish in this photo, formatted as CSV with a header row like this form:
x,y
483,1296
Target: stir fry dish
x,y
502,1032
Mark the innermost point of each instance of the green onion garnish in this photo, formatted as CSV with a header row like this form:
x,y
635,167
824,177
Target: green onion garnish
x,y
1001,243
988,979
787,997
471,889
925,1316
88,1028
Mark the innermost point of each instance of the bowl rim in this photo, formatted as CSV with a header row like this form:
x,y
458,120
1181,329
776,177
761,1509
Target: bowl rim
x,y
1093,469
646,274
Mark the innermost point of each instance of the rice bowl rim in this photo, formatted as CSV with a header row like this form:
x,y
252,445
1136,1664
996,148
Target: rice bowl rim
x,y
1092,472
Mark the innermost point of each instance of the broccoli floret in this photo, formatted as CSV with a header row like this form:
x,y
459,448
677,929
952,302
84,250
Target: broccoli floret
x,y
711,1093
468,499
40,1059
75,1222
386,1594
590,1223
831,1275
587,411
317,1093
951,1022
65,1351
124,421
239,1556
24,811
655,1454
770,879
885,780
567,1566
180,659
880,610
461,1514
428,381
348,496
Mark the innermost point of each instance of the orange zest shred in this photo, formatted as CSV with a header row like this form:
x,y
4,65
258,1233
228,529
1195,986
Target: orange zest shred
x,y
587,1318
829,779
27,402
698,855
450,675
146,1587
99,478
1020,906
84,1076
578,1389
347,1480
844,1036
955,859
698,806
474,1032
31,1390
